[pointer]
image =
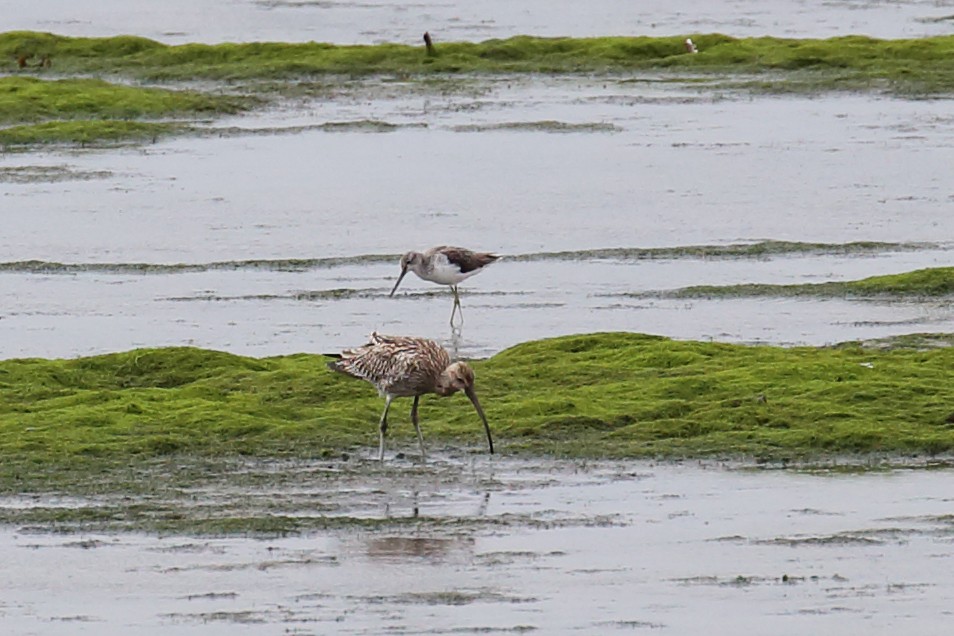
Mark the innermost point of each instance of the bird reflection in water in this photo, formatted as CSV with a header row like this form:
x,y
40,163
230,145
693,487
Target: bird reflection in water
x,y
480,511
398,548
429,548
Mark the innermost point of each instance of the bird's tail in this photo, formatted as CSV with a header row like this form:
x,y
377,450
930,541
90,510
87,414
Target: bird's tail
x,y
345,366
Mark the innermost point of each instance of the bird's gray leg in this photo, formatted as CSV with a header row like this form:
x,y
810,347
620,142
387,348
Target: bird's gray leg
x,y
417,426
457,308
383,427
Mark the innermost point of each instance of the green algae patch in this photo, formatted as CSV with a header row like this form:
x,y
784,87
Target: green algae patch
x,y
601,395
923,283
94,132
29,99
86,111
632,395
852,62
756,250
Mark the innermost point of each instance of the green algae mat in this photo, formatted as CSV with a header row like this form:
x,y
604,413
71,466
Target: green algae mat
x,y
611,395
932,282
910,60
54,88
35,110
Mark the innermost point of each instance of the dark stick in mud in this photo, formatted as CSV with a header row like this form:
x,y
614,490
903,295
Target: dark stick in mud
x,y
431,51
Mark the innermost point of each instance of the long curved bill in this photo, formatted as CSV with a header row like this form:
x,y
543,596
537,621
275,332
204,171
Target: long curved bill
x,y
473,400
400,278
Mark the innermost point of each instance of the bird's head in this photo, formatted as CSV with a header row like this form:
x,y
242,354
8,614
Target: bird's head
x,y
457,377
411,260
460,377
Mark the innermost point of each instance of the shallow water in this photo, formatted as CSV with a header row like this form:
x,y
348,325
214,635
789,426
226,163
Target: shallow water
x,y
499,546
371,21
519,166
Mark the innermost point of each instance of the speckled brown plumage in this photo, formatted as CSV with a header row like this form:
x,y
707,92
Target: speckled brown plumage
x,y
405,366
398,365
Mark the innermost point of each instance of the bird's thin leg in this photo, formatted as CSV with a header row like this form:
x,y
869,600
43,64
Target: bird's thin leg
x,y
417,426
384,426
457,308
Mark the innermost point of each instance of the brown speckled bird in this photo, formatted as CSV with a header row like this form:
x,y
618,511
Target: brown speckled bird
x,y
445,265
403,366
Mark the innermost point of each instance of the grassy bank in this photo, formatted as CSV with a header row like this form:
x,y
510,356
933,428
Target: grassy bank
x,y
601,395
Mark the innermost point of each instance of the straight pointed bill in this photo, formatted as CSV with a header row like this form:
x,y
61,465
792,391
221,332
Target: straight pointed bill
x,y
400,278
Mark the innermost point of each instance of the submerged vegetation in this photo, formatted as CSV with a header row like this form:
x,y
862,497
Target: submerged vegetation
x,y
86,132
922,283
754,250
600,395
856,63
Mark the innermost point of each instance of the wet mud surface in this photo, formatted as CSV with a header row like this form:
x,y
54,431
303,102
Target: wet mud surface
x,y
471,545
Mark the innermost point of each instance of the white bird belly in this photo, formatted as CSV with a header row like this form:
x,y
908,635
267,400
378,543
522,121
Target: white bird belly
x,y
443,272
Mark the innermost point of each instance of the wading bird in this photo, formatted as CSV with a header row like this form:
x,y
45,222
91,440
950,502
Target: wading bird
x,y
402,366
445,266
